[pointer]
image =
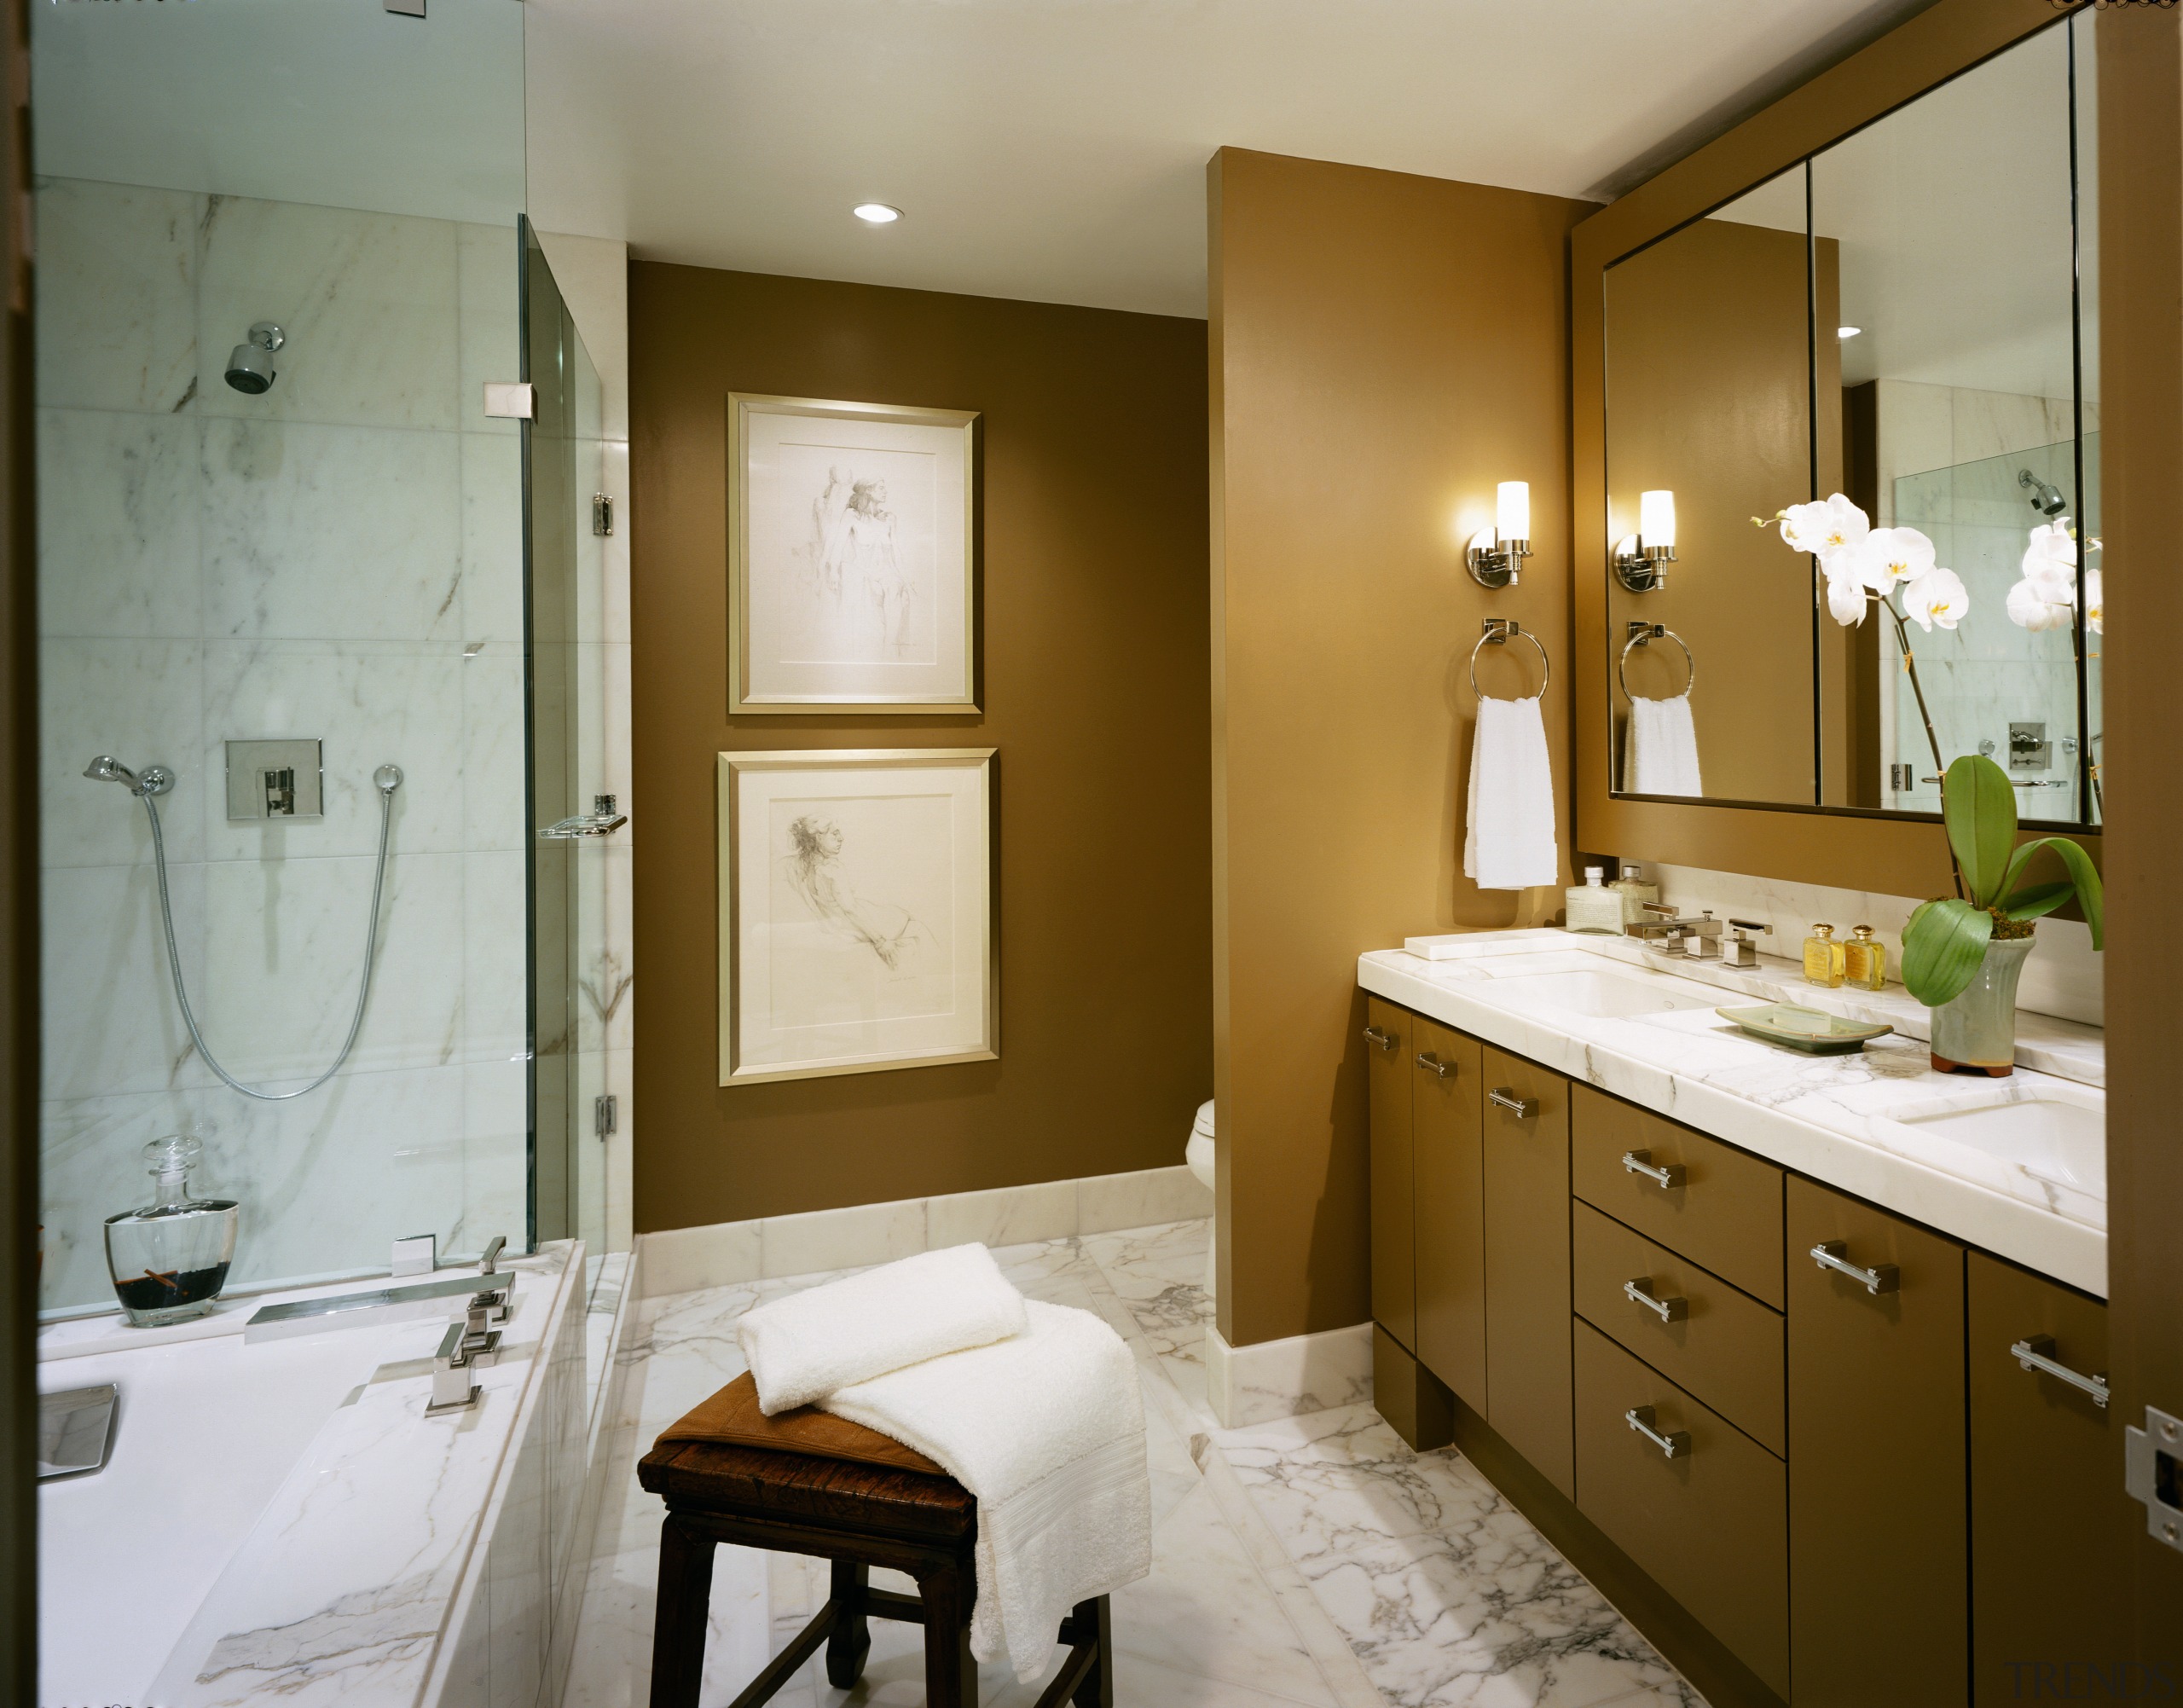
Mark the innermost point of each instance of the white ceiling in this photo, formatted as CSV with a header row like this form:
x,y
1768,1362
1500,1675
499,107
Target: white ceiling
x,y
1055,150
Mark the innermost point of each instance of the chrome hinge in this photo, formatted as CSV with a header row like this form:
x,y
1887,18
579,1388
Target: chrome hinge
x,y
2152,1472
602,514
605,1114
603,820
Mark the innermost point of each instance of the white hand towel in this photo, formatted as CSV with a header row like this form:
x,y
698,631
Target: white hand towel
x,y
1509,826
803,1347
1047,1430
1660,749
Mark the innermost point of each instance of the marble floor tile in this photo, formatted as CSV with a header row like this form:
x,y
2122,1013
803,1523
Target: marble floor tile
x,y
1315,1562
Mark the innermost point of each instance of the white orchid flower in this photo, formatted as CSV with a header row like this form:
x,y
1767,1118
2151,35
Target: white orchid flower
x,y
2028,607
1938,596
2095,617
1828,525
2050,561
1846,599
1893,556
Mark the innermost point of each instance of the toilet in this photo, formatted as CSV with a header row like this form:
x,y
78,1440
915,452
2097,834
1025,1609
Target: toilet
x,y
1198,1155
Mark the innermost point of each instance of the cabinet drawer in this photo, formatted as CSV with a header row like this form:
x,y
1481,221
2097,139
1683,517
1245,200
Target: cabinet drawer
x,y
1710,1525
1720,1344
1723,1210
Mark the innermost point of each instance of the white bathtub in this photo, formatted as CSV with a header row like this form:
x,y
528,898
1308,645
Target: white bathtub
x,y
280,1522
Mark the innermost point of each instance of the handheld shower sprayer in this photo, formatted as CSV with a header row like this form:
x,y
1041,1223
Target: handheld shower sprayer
x,y
155,780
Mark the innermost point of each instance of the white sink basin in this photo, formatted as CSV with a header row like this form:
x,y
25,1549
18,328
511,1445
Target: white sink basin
x,y
2059,1136
1604,996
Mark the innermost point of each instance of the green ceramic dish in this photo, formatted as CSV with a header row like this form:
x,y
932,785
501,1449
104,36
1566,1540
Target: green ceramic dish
x,y
1804,1028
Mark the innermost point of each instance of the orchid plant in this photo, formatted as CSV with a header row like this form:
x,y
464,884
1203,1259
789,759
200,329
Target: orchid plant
x,y
1897,569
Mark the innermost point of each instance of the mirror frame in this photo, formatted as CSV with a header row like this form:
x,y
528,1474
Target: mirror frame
x,y
1847,848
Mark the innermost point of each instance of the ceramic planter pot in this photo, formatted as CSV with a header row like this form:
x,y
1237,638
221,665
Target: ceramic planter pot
x,y
1976,1034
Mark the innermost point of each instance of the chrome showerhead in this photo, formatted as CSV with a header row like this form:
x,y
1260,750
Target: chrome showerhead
x,y
2046,500
250,367
106,769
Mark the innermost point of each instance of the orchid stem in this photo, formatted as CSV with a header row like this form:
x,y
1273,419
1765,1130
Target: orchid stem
x,y
1940,765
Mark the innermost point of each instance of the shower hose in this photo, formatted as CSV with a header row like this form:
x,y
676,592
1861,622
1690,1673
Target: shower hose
x,y
363,985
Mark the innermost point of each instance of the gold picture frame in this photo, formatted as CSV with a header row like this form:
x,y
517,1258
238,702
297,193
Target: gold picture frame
x,y
852,546
858,929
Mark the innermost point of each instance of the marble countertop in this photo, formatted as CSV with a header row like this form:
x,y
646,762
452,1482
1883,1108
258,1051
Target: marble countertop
x,y
1843,1120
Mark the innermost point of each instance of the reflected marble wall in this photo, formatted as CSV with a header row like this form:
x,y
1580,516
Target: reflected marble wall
x,y
340,558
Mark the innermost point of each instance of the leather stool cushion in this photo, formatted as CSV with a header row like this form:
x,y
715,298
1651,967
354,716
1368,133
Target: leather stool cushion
x,y
732,1416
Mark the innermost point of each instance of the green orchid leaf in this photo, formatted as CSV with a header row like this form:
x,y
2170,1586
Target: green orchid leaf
x,y
1942,948
1978,806
2084,879
2036,902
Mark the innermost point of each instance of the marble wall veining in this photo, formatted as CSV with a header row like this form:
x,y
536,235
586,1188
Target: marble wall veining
x,y
338,558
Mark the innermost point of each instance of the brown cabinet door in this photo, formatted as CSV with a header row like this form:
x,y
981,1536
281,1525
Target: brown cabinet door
x,y
1528,1320
1709,1525
2049,1585
1394,1283
1450,1212
1879,1595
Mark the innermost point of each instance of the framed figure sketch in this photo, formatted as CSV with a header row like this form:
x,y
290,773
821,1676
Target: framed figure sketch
x,y
851,536
856,912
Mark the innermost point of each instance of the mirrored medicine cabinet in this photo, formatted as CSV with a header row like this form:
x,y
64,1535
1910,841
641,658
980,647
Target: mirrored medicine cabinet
x,y
1907,315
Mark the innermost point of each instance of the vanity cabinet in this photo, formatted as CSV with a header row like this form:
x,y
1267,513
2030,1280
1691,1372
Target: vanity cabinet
x,y
2048,1586
1879,1592
1390,1071
1525,1118
1446,1100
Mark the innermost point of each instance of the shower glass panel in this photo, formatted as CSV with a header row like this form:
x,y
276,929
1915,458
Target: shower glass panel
x,y
333,558
564,453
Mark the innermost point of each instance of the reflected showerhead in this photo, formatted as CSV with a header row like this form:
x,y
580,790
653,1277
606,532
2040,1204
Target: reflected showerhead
x,y
2046,500
250,365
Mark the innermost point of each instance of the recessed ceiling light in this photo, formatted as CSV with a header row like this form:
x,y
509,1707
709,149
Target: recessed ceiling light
x,y
877,212
1847,332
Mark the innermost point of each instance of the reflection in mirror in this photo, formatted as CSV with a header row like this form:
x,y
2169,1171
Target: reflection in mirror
x,y
1962,417
1709,423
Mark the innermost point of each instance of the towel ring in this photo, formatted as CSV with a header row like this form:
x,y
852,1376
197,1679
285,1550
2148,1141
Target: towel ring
x,y
1639,633
1498,631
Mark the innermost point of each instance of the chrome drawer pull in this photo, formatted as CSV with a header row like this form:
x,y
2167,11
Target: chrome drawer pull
x,y
1433,1064
1386,1040
1881,1277
1667,1175
2036,1353
1522,1107
1675,1444
1673,1309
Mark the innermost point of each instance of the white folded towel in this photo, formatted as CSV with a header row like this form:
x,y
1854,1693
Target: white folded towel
x,y
1509,826
1660,749
803,1347
1047,1430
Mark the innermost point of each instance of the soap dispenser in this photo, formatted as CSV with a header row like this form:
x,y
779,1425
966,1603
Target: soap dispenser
x,y
1592,907
1824,961
1864,960
168,1260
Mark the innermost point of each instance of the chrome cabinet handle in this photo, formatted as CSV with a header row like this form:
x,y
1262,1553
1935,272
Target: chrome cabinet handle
x,y
1433,1064
2036,1353
1667,1175
1522,1107
1386,1040
1672,1309
1881,1277
1675,1444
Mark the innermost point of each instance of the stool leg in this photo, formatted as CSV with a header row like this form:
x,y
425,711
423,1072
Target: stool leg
x,y
850,1641
951,1675
680,1615
1094,1618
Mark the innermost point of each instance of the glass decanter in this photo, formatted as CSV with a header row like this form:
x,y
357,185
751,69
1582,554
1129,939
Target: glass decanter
x,y
168,1260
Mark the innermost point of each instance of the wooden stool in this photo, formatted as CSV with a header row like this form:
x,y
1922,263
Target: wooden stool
x,y
806,1482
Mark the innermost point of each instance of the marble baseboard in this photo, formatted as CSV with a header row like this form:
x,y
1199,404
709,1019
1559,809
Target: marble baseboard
x,y
1274,1379
725,1253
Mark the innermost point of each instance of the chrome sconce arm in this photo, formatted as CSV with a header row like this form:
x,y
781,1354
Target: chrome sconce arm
x,y
1640,559
1495,562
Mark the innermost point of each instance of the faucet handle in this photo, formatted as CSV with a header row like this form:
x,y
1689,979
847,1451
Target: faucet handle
x,y
492,1254
452,1388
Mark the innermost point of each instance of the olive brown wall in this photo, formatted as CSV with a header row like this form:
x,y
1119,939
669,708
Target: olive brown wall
x,y
1094,639
1385,348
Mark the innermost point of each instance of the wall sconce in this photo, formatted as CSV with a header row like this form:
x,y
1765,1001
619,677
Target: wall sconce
x,y
1639,557
1496,554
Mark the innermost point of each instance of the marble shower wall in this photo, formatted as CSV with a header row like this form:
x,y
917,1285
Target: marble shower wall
x,y
338,558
